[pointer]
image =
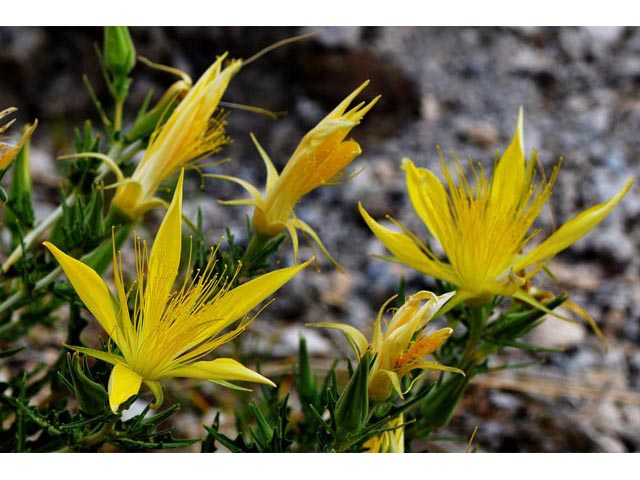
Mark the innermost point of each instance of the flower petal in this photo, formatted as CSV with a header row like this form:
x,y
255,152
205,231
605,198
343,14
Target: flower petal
x,y
572,230
158,394
90,288
123,384
429,199
99,354
307,230
220,369
241,300
508,180
272,173
407,252
437,366
164,260
356,339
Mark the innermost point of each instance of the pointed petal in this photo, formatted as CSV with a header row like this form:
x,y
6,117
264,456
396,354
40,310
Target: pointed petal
x,y
437,366
508,180
407,252
272,173
307,230
572,230
99,354
164,260
429,199
158,394
356,339
395,381
90,288
123,384
294,240
239,202
220,369
342,106
253,191
530,300
460,297
241,300
582,313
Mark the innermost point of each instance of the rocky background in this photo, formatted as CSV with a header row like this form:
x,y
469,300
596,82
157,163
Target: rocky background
x,y
459,88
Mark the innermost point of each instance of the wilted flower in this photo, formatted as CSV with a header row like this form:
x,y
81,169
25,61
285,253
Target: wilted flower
x,y
170,333
319,159
192,132
484,224
8,153
403,345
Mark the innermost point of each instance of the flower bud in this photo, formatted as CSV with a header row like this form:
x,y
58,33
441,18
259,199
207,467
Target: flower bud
x,y
119,52
91,396
352,409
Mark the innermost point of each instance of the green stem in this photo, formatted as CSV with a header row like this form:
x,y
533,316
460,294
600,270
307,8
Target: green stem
x,y
477,322
441,403
255,252
117,120
98,438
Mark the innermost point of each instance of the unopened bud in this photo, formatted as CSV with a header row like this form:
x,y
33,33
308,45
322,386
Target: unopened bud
x,y
92,397
119,52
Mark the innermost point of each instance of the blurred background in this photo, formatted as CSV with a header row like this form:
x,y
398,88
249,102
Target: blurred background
x,y
457,88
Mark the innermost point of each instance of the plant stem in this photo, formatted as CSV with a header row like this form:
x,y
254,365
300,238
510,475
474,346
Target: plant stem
x,y
441,403
117,116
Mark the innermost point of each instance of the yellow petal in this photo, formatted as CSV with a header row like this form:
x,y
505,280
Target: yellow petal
x,y
307,230
158,394
508,180
429,199
99,354
90,288
164,259
407,252
356,339
393,378
437,366
572,230
123,384
241,300
272,173
220,369
253,191
342,106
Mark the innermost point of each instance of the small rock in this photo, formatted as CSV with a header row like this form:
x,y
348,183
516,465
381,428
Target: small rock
x,y
340,287
430,109
556,333
610,444
627,67
604,37
532,62
586,277
289,341
336,36
573,42
483,134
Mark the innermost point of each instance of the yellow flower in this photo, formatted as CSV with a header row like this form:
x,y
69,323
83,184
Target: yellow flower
x,y
190,133
319,159
169,333
391,441
483,225
8,153
402,346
